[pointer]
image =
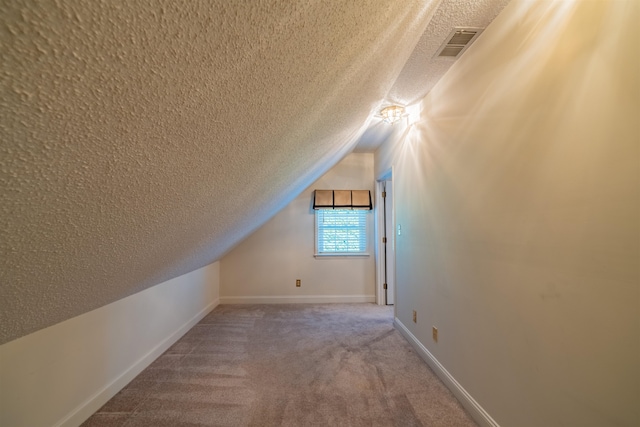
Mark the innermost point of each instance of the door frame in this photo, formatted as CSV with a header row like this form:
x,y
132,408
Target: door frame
x,y
379,230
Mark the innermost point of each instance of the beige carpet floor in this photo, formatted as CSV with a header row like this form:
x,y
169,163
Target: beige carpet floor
x,y
287,365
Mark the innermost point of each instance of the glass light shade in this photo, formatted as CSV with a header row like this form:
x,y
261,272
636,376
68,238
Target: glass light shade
x,y
392,113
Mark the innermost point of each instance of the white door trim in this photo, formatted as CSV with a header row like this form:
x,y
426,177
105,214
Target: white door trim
x,y
379,247
379,229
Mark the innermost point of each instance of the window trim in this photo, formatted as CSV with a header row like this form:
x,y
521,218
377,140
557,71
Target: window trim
x,y
342,255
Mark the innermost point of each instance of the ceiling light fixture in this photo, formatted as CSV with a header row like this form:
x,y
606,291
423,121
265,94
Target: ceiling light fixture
x,y
392,113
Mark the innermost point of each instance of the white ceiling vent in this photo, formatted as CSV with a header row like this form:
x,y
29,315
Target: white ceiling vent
x,y
458,40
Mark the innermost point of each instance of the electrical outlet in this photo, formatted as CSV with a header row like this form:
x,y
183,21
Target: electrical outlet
x,y
415,316
298,283
434,333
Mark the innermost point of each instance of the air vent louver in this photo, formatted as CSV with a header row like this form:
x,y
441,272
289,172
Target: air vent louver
x,y
458,41
451,51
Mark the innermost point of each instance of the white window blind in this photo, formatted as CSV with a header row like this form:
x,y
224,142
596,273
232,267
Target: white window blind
x,y
341,232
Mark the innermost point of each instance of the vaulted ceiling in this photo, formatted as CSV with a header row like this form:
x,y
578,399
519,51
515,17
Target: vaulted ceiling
x,y
143,139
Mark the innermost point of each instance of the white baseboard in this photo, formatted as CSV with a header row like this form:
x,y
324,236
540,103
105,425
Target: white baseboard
x,y
304,299
95,402
475,410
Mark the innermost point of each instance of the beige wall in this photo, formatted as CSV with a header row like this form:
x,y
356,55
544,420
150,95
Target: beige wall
x,y
518,196
265,266
60,375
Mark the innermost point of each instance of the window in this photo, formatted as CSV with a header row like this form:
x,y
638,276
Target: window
x,y
341,232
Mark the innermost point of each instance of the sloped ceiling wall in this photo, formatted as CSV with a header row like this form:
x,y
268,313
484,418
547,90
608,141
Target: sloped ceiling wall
x,y
143,139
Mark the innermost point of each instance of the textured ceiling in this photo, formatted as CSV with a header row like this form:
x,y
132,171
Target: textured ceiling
x,y
422,71
143,139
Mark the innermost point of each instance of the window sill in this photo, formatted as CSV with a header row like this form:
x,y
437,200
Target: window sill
x,y
342,255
